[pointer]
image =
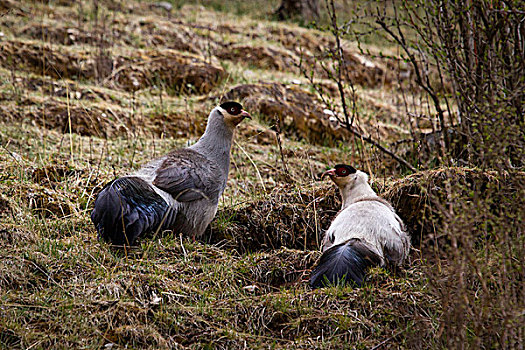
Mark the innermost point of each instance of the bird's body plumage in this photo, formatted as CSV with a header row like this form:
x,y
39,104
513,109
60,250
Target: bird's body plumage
x,y
178,191
366,232
127,207
373,222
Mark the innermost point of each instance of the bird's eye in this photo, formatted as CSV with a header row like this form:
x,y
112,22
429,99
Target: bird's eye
x,y
341,171
232,110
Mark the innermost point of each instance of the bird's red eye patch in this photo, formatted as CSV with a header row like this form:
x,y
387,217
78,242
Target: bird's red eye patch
x,y
344,170
341,172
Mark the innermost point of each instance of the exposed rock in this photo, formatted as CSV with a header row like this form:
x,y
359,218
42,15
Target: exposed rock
x,y
363,71
164,5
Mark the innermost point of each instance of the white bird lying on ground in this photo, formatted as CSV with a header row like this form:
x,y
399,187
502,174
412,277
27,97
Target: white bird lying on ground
x,y
366,232
178,191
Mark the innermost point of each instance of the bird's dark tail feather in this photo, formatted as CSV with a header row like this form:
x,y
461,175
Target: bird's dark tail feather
x,y
345,263
127,208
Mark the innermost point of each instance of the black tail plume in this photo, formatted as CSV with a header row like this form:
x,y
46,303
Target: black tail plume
x,y
127,208
344,263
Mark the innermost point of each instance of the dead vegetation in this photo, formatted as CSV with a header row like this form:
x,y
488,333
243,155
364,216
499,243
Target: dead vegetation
x,y
100,120
63,35
64,117
312,50
289,217
297,111
86,98
172,70
417,197
50,87
294,217
5,209
301,114
10,6
43,59
264,57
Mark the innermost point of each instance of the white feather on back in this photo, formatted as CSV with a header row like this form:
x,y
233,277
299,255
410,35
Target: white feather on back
x,y
147,173
371,219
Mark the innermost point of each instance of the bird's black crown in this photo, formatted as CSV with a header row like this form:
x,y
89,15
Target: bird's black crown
x,y
344,170
231,107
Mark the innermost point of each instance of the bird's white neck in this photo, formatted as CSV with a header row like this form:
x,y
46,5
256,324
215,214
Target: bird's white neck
x,y
356,191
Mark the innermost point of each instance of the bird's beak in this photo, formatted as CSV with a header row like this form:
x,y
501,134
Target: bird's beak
x,y
330,173
245,114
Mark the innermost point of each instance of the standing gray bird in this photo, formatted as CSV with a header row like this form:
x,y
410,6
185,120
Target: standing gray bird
x,y
366,232
178,191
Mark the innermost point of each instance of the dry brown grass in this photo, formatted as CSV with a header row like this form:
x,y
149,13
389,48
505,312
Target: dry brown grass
x,y
66,68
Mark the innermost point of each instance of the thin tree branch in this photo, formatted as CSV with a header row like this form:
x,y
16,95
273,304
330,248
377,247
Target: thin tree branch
x,y
373,142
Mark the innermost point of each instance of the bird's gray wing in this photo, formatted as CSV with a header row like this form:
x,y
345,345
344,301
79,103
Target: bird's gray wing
x,y
188,175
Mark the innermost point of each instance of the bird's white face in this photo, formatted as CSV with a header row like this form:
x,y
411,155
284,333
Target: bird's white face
x,y
233,113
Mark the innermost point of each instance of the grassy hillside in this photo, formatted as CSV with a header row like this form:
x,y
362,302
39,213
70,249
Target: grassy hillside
x,y
91,90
